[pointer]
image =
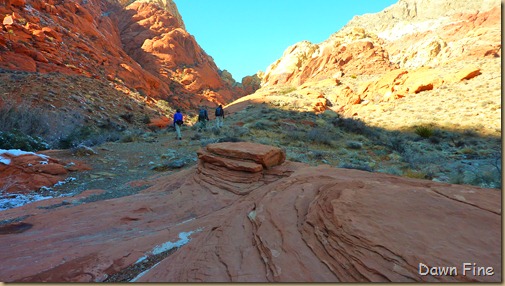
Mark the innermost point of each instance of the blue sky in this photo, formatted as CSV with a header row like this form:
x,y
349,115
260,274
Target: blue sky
x,y
244,37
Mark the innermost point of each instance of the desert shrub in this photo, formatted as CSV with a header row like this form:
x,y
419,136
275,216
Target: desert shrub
x,y
322,136
132,136
390,170
146,119
89,136
39,124
354,145
75,137
165,106
128,117
424,131
206,141
434,139
286,90
296,135
24,119
297,156
264,141
196,136
416,158
317,155
229,139
215,130
488,179
238,131
353,126
263,124
17,140
362,167
414,174
395,143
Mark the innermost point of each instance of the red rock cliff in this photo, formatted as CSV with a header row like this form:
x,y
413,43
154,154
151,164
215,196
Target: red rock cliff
x,y
144,46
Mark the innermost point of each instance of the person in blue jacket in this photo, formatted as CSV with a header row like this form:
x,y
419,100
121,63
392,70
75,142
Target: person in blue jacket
x,y
178,121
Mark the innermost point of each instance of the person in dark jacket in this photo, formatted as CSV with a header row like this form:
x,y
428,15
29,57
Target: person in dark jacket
x,y
219,116
178,121
203,117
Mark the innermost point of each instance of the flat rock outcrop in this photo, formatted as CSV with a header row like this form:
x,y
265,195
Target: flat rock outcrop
x,y
222,221
24,172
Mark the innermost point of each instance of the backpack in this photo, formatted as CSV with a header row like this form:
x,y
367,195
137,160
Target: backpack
x,y
202,114
219,111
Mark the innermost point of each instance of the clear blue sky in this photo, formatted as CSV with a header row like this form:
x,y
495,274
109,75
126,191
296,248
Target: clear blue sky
x,y
244,37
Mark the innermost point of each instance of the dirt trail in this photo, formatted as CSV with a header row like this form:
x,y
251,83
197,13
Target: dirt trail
x,y
121,168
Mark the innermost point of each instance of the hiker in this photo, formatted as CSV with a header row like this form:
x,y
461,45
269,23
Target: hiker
x,y
219,116
178,121
203,117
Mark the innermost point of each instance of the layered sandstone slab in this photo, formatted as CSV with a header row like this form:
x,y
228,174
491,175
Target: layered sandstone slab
x,y
295,223
265,155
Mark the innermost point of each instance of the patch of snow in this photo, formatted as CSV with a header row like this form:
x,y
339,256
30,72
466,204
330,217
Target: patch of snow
x,y
186,221
43,162
5,161
141,259
60,183
183,239
18,152
11,201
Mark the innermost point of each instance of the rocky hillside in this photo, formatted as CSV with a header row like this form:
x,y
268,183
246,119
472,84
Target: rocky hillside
x,y
408,34
410,47
143,47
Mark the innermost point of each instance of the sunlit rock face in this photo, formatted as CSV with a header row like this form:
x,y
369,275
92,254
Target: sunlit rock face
x,y
409,34
244,214
144,46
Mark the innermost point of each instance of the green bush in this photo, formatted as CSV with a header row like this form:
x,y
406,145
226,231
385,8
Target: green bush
x,y
89,136
354,145
356,166
322,136
263,124
424,131
414,174
24,121
17,140
352,125
286,90
396,143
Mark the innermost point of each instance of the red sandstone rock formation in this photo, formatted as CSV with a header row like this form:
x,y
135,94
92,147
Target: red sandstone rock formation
x,y
26,172
144,46
232,219
353,53
403,46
